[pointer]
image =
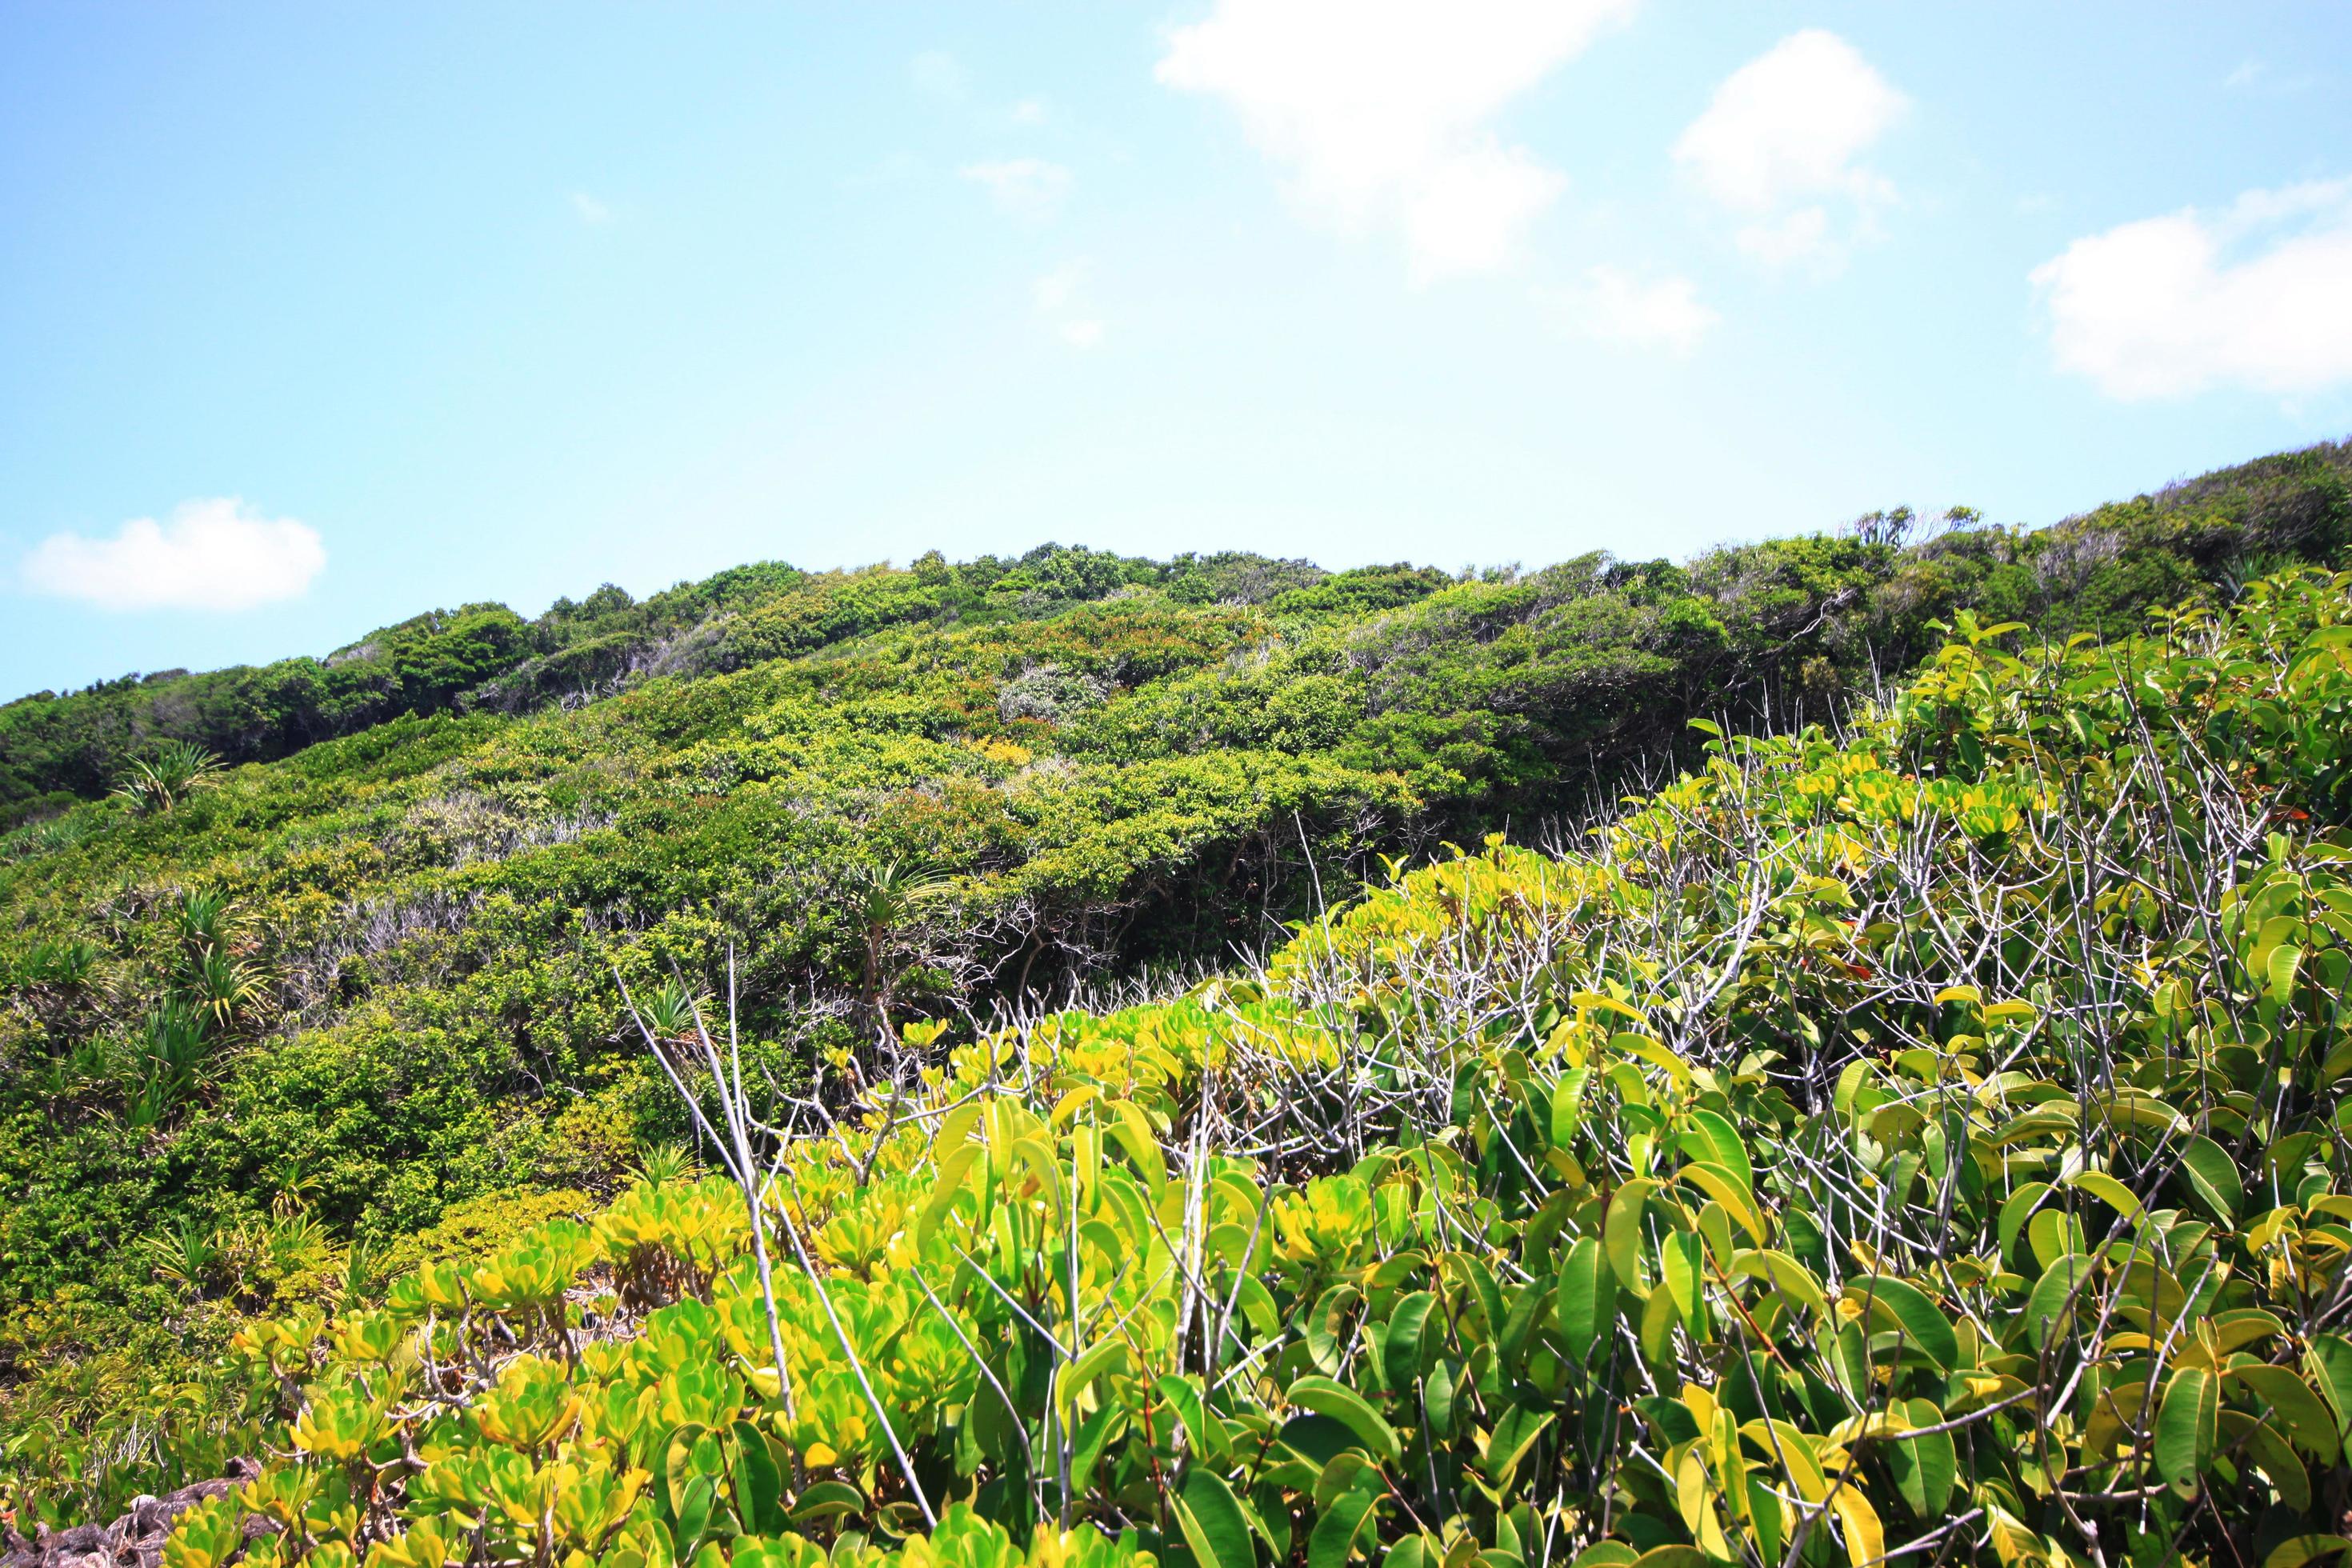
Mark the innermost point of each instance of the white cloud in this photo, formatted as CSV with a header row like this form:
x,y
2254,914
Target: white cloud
x,y
1379,110
939,74
1802,236
1784,132
1030,187
1029,112
2259,295
211,555
590,209
1060,298
1612,306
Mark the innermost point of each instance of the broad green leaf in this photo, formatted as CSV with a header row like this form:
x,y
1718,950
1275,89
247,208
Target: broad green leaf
x,y
1335,1533
2212,1176
1568,1106
2285,960
2294,1409
2014,1212
1516,1431
2301,1549
1621,1235
681,1462
944,1192
1073,1378
1657,1327
694,1506
1347,1407
758,1482
2272,1454
1134,1134
2328,1360
1926,1468
1679,1271
1212,1521
1318,1437
1326,1323
1202,1425
1587,1298
2109,1191
1924,1325
1400,1346
827,1499
1724,1186
2186,1428
1668,1557
1723,1146
2049,1306
1865,1538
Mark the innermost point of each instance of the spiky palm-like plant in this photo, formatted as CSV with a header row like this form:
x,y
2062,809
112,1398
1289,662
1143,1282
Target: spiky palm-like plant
x,y
177,770
190,1256
222,987
207,920
669,1012
888,897
170,1055
657,1164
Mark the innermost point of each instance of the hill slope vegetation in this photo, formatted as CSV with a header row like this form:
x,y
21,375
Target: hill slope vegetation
x,y
359,1008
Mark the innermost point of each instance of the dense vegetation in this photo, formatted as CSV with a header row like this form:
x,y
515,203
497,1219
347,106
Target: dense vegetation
x,y
1721,624
275,1040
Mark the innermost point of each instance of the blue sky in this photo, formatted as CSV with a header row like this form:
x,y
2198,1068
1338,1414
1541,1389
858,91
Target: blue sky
x,y
313,317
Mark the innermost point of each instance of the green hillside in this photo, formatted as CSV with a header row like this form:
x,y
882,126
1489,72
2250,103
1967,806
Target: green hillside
x,y
1640,1199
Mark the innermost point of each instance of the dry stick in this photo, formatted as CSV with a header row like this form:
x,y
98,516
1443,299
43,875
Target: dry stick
x,y
980,1361
737,1161
1064,1450
856,1366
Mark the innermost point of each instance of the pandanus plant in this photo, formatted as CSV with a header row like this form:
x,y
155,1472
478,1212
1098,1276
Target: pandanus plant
x,y
170,1055
177,770
670,1012
215,977
887,897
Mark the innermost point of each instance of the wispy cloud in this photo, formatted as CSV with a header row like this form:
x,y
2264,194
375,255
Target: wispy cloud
x,y
1380,114
1610,305
216,554
590,209
1029,112
2253,296
1783,138
1029,187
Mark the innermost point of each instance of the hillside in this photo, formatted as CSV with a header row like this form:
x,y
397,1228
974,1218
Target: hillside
x,y
353,1008
2095,573
1918,1143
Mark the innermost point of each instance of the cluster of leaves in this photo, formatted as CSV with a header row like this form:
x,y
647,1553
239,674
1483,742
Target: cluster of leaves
x,y
1918,1141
